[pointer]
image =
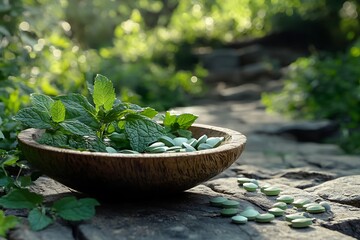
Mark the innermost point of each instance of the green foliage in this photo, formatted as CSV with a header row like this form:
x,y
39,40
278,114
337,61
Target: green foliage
x,y
7,223
324,87
126,125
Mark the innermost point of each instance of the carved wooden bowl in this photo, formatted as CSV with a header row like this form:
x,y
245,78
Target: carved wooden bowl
x,y
107,174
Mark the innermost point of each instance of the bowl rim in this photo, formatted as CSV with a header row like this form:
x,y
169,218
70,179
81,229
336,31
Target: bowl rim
x,y
235,140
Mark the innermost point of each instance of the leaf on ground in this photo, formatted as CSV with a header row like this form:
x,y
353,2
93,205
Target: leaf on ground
x,y
38,220
7,223
20,198
33,117
69,208
142,131
104,92
57,111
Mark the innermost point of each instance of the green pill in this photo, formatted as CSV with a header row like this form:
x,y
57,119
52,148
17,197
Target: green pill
x,y
179,141
301,222
167,141
238,219
262,188
250,187
230,204
299,203
315,209
110,150
204,146
127,151
277,212
309,204
242,180
188,147
294,216
214,141
193,142
159,149
202,139
271,191
286,199
264,218
281,205
217,201
229,212
249,213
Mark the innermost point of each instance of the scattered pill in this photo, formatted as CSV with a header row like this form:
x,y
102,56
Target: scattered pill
x,y
315,209
229,212
281,205
301,222
230,204
271,191
264,218
299,203
217,201
238,219
242,180
250,187
291,217
249,213
276,211
286,199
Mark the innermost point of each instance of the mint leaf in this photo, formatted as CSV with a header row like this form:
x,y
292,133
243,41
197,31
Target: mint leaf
x,y
185,120
7,223
57,139
1,135
20,198
38,220
149,112
79,108
169,119
57,111
41,102
33,117
142,131
6,181
69,208
104,93
118,111
78,128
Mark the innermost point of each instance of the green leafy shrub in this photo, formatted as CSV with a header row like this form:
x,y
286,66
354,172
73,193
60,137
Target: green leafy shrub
x,y
324,86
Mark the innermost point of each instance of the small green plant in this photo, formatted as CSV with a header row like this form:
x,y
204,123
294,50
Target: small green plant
x,y
71,121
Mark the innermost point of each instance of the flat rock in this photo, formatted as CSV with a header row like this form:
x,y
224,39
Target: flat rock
x,y
345,190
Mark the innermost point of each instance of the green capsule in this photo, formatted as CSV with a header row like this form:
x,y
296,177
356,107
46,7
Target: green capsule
x,y
281,205
242,180
201,140
315,209
214,141
179,141
238,219
204,146
230,204
217,201
250,187
188,147
110,150
301,222
291,217
271,191
229,212
286,199
167,141
159,149
249,213
277,212
299,203
264,218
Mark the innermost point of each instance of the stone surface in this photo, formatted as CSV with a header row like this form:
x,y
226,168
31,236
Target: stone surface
x,y
320,172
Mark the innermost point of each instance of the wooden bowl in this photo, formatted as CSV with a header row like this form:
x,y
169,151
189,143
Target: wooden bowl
x,y
98,173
